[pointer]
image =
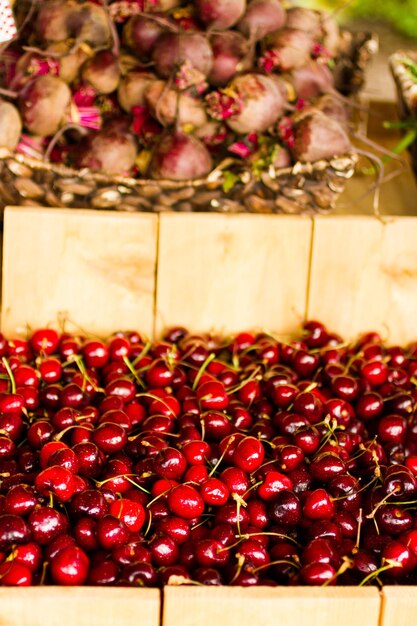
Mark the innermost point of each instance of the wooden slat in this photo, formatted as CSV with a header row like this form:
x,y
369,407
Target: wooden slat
x,y
264,606
364,276
399,606
80,606
232,272
97,269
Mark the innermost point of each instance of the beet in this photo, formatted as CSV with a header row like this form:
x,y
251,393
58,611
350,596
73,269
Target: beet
x,y
132,87
312,80
262,103
173,49
220,14
69,61
290,47
10,125
179,156
333,107
317,137
112,151
304,19
231,55
155,6
44,104
168,106
90,24
102,72
52,19
141,33
261,18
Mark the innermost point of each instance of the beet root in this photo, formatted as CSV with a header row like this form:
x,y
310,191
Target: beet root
x,y
52,22
168,106
231,55
220,14
141,33
132,88
289,48
90,24
261,18
112,151
174,49
317,137
102,72
70,61
312,80
44,104
10,126
179,156
261,103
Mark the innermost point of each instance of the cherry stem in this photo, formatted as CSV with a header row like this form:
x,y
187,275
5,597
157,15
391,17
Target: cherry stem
x,y
10,373
132,370
229,443
202,369
270,534
128,478
279,562
78,360
376,573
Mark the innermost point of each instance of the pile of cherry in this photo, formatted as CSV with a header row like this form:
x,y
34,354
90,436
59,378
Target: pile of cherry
x,y
205,460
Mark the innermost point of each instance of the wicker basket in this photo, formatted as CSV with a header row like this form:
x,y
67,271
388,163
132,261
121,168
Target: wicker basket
x,y
407,93
302,188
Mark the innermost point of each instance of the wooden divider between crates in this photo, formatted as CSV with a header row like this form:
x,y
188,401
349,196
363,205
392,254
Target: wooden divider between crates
x,y
105,271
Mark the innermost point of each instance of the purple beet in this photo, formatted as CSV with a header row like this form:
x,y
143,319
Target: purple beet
x,y
179,156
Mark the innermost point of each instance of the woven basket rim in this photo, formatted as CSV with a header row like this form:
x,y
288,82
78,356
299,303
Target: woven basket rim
x,y
340,163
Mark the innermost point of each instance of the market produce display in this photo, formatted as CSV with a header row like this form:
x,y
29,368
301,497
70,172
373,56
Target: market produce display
x,y
206,460
171,90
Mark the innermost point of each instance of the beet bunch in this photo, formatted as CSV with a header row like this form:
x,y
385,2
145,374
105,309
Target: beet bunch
x,y
170,89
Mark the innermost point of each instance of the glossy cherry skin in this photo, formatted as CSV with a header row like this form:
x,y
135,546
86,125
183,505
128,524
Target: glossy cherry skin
x,y
13,530
13,574
185,501
70,567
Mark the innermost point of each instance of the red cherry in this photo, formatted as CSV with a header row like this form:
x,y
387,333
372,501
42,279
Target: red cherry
x,y
212,395
185,501
318,505
214,492
249,454
44,341
130,512
273,484
13,574
57,481
70,567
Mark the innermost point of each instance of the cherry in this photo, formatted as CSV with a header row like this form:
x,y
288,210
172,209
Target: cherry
x,y
318,505
50,370
70,567
212,395
111,532
375,372
20,500
164,551
29,555
400,558
102,574
345,387
47,523
326,466
138,575
214,492
318,574
176,528
55,480
110,438
130,512
13,530
13,574
392,429
185,501
249,454
89,502
285,509
95,353
170,463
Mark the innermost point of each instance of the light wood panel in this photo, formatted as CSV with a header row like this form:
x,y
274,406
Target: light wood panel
x,y
364,276
265,606
399,606
83,606
232,272
96,269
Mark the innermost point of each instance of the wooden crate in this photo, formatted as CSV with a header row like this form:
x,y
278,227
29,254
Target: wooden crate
x,y
109,271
